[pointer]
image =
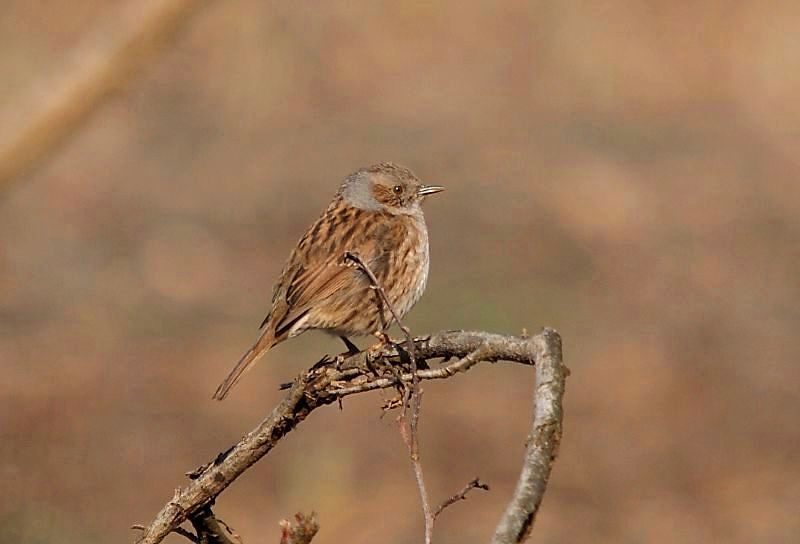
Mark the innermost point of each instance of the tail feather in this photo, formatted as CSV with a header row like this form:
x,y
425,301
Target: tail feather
x,y
245,363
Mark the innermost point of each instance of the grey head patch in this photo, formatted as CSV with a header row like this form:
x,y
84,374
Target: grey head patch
x,y
384,186
357,191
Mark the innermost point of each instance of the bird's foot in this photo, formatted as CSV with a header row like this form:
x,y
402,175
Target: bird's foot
x,y
352,349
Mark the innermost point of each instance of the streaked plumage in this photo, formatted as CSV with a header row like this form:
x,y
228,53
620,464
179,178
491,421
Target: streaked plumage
x,y
376,214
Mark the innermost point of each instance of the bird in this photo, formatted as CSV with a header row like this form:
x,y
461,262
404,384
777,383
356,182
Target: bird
x,y
376,215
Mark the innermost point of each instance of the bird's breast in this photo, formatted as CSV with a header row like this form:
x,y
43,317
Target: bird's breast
x,y
409,268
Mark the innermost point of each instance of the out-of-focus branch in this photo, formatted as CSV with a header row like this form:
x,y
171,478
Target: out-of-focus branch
x,y
301,531
543,441
102,62
328,381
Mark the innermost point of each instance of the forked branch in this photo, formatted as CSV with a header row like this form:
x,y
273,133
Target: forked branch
x,y
327,382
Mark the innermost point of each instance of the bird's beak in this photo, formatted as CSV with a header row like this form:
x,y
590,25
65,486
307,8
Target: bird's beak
x,y
429,190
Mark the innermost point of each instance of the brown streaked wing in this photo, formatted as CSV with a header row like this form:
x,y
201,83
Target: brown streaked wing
x,y
282,291
318,271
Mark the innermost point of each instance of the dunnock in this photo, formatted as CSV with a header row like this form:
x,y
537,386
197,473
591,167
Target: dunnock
x,y
376,214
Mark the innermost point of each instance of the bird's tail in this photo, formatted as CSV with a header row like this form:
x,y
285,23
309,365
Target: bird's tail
x,y
263,345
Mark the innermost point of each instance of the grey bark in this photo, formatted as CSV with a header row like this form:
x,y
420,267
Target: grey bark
x,y
329,380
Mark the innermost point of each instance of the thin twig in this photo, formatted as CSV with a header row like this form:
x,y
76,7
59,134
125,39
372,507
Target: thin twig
x,y
443,372
409,434
412,399
413,450
356,259
461,495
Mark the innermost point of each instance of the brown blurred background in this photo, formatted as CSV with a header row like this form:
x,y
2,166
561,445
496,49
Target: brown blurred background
x,y
626,172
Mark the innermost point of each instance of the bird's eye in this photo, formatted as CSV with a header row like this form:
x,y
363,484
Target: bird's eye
x,y
397,189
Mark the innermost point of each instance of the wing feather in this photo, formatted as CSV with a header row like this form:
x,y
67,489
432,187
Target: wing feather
x,y
316,269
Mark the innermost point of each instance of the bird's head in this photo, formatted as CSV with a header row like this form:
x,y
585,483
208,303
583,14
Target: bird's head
x,y
388,187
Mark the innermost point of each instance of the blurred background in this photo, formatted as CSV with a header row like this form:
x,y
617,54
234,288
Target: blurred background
x,y
626,172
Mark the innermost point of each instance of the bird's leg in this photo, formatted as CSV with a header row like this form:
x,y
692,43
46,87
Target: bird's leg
x,y
352,349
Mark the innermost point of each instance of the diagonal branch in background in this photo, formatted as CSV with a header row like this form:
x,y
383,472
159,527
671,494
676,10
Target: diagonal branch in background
x,y
327,382
100,64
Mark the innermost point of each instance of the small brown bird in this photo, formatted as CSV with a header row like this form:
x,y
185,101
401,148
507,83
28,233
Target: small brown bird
x,y
377,215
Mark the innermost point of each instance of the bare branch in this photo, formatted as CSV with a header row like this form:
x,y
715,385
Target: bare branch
x,y
461,495
211,530
542,446
410,437
327,382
